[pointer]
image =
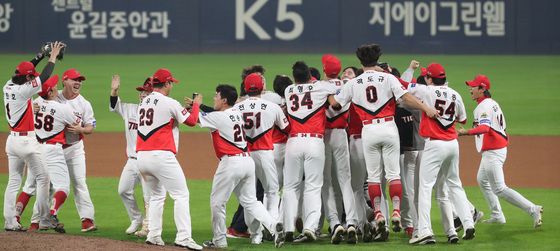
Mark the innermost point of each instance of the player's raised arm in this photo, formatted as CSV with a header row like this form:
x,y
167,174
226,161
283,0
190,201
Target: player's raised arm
x,y
193,117
48,70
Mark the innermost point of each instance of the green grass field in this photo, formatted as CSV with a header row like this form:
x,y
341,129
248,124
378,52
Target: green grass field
x,y
517,234
525,86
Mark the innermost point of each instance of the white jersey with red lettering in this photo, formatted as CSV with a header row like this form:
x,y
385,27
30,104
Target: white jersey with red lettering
x,y
17,104
260,116
227,131
306,106
374,94
489,113
158,120
83,110
449,105
129,113
51,119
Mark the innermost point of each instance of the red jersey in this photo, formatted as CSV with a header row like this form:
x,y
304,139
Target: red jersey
x,y
354,122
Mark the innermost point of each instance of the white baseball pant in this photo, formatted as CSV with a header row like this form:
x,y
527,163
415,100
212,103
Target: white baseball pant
x,y
236,174
76,161
162,173
337,168
21,150
359,175
266,172
492,184
279,155
130,177
409,161
381,142
303,155
440,167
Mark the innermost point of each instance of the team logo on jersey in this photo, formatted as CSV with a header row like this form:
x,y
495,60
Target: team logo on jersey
x,y
484,115
412,85
184,111
34,83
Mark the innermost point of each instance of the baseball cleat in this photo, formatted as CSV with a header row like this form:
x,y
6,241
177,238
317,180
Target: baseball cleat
x,y
381,236
17,228
337,235
495,221
289,237
537,216
457,224
189,244
280,236
453,239
422,240
33,227
142,233
133,227
469,234
88,225
409,231
380,223
232,233
477,216
156,241
53,223
368,232
396,221
306,236
211,244
351,237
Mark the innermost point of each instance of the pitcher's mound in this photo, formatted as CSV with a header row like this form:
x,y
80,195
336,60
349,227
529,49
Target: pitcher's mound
x,y
61,242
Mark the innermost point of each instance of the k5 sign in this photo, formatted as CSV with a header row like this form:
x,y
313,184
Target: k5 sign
x,y
244,19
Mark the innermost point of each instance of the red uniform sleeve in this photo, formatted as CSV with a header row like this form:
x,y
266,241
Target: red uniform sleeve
x,y
481,129
403,83
193,117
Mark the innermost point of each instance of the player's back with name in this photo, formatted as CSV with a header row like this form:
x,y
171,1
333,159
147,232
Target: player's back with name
x,y
260,117
158,118
374,94
305,104
51,119
227,131
17,104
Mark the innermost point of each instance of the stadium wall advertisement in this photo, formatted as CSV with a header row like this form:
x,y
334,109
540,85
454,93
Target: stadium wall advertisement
x,y
298,26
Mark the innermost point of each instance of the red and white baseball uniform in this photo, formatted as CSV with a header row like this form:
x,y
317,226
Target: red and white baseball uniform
x,y
305,152
235,173
337,162
279,137
374,96
130,175
156,145
261,117
75,155
23,148
439,165
491,142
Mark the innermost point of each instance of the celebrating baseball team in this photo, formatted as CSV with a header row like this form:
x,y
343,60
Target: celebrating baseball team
x,y
361,148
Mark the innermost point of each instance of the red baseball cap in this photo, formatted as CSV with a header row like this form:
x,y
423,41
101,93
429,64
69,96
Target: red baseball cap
x,y
423,71
147,86
163,75
435,70
331,65
253,82
26,68
479,80
73,74
48,85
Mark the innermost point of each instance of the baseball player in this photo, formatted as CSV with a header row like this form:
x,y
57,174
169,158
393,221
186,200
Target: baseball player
x,y
439,165
374,95
260,117
491,141
130,175
337,161
156,145
22,146
236,170
279,137
305,150
50,121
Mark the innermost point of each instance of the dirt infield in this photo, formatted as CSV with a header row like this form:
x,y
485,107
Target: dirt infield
x,y
530,163
62,242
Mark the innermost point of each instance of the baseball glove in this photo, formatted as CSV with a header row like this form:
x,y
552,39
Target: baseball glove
x,y
47,47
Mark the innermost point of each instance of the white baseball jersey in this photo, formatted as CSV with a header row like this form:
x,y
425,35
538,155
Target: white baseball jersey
x,y
51,119
489,113
449,105
83,110
158,120
18,106
129,113
374,94
278,136
305,104
227,131
260,117
337,118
